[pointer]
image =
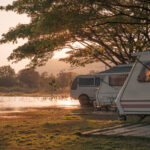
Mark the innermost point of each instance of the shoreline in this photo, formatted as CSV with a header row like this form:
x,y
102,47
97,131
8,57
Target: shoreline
x,y
17,94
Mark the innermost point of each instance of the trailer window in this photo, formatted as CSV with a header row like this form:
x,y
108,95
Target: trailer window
x,y
86,82
144,75
97,81
74,84
117,80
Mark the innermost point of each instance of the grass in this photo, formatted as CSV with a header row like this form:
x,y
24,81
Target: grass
x,y
60,129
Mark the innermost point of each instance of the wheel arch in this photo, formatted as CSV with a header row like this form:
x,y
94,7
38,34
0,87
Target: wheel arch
x,y
83,94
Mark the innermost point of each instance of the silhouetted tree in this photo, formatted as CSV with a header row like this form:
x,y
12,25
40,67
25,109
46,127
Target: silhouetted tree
x,y
29,77
7,76
64,79
53,85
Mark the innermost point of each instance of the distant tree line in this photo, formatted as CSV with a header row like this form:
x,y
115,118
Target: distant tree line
x,y
30,81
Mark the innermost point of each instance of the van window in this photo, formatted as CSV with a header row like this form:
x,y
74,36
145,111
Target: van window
x,y
86,81
117,80
97,81
144,75
74,84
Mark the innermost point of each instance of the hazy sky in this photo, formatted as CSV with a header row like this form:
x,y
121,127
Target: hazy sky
x,y
7,21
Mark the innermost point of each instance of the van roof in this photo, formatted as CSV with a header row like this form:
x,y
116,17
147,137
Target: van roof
x,y
119,69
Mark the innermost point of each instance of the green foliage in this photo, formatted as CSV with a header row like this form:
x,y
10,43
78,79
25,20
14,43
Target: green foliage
x,y
116,28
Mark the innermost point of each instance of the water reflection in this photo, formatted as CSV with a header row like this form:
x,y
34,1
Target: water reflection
x,y
19,104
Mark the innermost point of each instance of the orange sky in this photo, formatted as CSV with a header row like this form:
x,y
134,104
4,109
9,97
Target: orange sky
x,y
8,20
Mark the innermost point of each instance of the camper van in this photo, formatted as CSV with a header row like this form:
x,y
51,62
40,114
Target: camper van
x,y
112,81
84,87
134,96
106,84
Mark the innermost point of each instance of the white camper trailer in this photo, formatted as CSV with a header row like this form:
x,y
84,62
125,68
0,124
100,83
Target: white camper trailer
x,y
134,97
112,81
84,88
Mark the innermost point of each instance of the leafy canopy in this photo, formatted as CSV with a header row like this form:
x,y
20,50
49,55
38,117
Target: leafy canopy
x,y
116,28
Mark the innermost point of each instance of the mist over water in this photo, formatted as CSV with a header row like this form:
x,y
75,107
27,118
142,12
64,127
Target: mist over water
x,y
19,104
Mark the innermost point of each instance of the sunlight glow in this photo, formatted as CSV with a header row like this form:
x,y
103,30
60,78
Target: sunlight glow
x,y
18,104
61,54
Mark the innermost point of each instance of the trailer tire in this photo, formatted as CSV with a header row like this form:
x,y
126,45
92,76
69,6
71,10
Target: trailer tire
x,y
85,101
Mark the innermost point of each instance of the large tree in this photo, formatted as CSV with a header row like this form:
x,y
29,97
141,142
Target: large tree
x,y
116,28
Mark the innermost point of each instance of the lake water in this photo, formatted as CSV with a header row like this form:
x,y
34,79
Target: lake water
x,y
19,104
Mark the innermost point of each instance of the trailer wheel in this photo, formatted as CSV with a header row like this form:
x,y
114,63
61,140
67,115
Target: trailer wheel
x,y
122,118
85,101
